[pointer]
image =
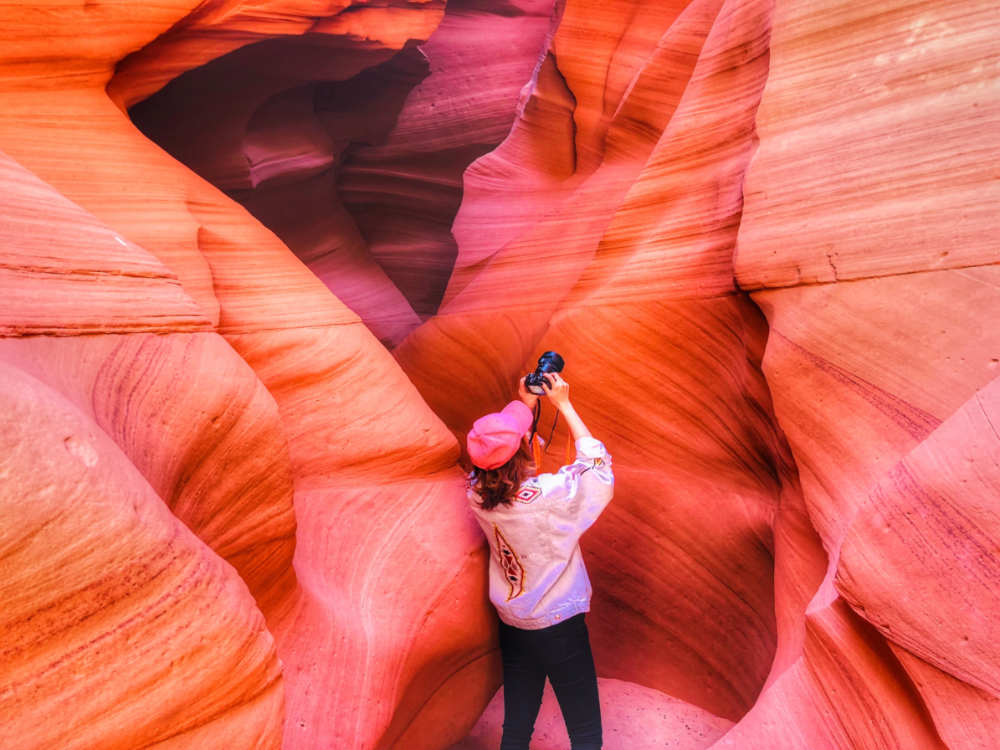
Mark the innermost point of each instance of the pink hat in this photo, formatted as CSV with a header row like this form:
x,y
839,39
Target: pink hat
x,y
494,439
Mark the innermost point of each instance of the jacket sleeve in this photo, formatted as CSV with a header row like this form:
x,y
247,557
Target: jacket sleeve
x,y
577,493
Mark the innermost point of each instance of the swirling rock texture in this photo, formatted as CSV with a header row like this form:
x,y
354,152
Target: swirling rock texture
x,y
352,152
759,232
866,241
200,368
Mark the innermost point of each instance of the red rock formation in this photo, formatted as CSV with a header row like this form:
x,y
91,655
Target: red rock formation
x,y
121,628
294,394
633,717
697,460
236,521
864,240
60,293
941,496
356,162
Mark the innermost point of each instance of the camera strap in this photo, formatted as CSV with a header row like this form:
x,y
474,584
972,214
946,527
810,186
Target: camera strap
x,y
534,421
552,432
534,426
535,440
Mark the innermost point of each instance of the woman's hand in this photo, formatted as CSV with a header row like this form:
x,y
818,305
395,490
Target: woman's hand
x,y
556,389
527,397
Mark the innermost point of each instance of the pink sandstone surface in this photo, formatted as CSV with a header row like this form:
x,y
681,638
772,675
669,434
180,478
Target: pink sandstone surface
x,y
244,332
629,711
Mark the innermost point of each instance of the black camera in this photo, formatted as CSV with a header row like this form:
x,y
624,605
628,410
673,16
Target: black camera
x,y
548,362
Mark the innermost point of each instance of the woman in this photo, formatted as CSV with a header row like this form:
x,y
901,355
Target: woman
x,y
538,582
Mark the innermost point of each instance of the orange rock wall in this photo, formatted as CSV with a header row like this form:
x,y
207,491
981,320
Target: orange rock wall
x,y
865,240
759,232
625,273
200,367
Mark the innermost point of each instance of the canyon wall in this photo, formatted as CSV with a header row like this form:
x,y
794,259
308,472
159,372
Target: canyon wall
x,y
213,467
867,241
265,263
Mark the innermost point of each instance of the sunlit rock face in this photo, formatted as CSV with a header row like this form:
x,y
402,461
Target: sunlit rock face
x,y
633,716
241,335
619,257
229,519
867,241
352,150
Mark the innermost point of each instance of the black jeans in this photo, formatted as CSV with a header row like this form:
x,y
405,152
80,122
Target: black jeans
x,y
561,653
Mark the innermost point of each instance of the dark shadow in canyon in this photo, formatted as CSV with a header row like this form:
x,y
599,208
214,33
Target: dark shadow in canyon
x,y
320,138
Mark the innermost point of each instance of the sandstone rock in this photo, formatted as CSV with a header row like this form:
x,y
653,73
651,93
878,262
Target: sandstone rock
x,y
637,718
874,165
847,691
875,346
671,385
964,716
198,425
121,628
216,28
62,272
800,393
247,286
919,559
352,161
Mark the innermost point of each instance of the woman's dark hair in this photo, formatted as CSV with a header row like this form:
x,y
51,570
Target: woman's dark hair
x,y
498,486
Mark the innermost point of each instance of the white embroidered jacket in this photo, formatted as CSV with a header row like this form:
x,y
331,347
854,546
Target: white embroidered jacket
x,y
537,575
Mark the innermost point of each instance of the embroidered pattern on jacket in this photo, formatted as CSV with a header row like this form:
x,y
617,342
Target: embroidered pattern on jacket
x,y
528,495
512,569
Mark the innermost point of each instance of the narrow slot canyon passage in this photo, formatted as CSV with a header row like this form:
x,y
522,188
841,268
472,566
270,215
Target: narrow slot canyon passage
x,y
267,262
357,158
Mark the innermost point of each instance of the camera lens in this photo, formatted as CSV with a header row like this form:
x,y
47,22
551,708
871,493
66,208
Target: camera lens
x,y
550,362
